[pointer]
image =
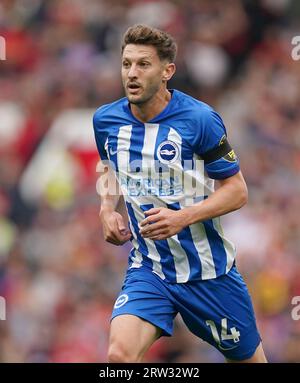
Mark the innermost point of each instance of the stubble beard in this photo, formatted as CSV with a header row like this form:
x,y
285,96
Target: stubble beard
x,y
144,97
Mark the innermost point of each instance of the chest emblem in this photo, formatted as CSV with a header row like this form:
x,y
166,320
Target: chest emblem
x,y
167,152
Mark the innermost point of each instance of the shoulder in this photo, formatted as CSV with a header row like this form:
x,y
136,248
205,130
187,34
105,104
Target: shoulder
x,y
109,112
204,127
198,111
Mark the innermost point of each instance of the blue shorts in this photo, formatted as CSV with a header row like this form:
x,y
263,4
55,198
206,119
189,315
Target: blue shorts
x,y
219,310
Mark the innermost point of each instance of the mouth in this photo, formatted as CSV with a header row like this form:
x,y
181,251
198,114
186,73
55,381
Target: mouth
x,y
133,88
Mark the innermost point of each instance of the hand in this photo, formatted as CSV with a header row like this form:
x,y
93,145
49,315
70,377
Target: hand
x,y
162,223
114,229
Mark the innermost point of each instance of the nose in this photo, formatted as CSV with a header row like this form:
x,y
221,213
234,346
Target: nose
x,y
132,73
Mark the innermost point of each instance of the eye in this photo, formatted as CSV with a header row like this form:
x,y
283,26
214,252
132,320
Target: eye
x,y
125,64
144,64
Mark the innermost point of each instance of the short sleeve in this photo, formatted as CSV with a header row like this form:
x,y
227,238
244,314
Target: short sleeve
x,y
210,138
100,134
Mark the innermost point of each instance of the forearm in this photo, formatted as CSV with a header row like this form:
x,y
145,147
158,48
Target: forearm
x,y
227,198
109,202
109,191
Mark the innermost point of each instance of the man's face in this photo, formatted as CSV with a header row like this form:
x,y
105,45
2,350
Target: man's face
x,y
142,72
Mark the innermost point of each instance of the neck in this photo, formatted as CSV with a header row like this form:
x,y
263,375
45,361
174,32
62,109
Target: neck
x,y
147,111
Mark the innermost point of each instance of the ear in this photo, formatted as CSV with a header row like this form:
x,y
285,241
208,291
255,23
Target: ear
x,y
168,72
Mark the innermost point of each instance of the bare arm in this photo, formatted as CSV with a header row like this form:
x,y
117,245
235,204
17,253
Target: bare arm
x,y
231,195
108,188
113,223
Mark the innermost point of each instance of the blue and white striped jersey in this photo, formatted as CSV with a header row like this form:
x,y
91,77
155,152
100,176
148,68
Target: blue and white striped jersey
x,y
159,164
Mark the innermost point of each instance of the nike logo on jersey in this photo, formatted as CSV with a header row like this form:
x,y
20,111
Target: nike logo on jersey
x,y
113,152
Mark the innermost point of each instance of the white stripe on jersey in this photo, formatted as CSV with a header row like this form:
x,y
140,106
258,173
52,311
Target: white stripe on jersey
x,y
106,147
228,245
181,260
152,251
123,146
202,246
148,150
138,257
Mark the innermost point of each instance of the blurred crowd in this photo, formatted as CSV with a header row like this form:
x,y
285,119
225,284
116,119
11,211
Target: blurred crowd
x,y
58,276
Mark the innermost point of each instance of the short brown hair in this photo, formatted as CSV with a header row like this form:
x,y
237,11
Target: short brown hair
x,y
164,43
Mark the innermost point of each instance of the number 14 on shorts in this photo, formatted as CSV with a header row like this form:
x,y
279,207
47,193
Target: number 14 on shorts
x,y
234,334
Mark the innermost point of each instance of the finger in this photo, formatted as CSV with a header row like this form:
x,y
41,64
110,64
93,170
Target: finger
x,y
154,210
121,224
121,229
125,231
118,236
128,236
151,228
122,238
159,237
151,219
118,239
153,233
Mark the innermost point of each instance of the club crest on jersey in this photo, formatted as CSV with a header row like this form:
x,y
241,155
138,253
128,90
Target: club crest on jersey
x,y
121,301
167,152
